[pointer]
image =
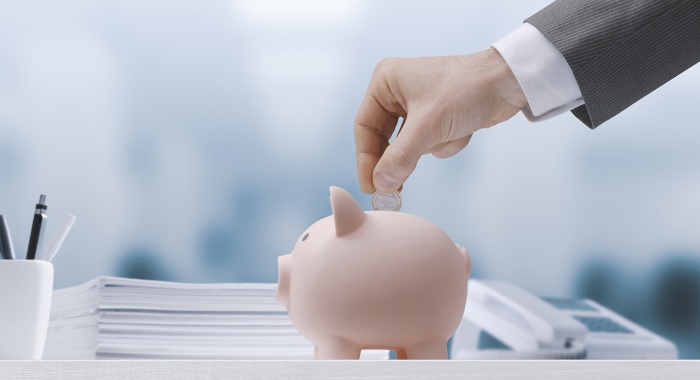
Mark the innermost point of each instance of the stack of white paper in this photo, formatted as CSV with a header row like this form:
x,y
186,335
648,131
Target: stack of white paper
x,y
119,318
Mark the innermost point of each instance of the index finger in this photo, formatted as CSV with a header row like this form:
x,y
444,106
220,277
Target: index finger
x,y
374,125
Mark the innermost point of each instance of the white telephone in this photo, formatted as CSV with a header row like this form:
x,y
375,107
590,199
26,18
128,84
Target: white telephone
x,y
525,326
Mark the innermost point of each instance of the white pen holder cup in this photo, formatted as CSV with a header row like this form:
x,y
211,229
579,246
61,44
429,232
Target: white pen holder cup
x,y
26,287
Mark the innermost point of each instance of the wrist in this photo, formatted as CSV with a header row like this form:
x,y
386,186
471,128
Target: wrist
x,y
503,80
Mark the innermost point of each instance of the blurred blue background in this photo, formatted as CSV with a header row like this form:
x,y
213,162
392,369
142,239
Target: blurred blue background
x,y
195,141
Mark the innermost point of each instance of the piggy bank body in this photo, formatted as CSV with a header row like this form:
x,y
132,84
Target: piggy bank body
x,y
374,280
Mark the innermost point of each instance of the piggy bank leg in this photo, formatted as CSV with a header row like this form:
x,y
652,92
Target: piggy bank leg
x,y
431,350
400,354
336,349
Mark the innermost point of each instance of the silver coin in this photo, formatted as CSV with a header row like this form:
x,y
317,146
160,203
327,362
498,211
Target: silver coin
x,y
386,202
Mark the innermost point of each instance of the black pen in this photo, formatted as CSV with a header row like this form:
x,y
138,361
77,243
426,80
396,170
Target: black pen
x,y
8,252
37,233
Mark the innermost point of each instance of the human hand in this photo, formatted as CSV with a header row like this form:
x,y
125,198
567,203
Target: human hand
x,y
443,100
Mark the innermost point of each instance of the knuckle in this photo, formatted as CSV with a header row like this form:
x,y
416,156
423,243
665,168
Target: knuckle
x,y
385,67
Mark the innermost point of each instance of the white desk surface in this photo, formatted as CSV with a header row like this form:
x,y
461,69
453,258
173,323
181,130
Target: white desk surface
x,y
473,370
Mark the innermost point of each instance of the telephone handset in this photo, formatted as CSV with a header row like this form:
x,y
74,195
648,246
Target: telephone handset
x,y
530,327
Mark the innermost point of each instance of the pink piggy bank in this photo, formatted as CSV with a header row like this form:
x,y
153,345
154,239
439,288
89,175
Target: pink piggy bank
x,y
374,280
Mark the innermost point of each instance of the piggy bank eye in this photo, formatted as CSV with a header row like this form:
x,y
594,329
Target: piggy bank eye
x,y
305,237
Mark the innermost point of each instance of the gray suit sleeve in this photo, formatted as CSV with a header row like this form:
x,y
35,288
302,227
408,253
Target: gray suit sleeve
x,y
621,50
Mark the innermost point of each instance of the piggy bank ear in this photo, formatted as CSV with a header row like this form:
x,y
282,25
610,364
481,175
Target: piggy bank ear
x,y
347,213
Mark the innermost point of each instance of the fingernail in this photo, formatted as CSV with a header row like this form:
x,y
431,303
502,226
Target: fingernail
x,y
385,184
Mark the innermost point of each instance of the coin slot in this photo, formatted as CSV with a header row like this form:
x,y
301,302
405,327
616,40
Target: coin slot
x,y
305,237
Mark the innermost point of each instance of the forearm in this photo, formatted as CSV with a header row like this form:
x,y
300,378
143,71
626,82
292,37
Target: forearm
x,y
620,51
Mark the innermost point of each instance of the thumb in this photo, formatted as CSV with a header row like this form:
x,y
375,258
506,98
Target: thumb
x,y
401,157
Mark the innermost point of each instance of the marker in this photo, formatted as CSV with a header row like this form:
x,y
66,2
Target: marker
x,y
37,234
58,237
8,252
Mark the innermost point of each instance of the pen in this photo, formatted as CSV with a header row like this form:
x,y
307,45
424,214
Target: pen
x,y
8,252
35,237
58,237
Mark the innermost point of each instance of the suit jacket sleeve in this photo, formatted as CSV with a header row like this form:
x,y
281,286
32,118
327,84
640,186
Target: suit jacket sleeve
x,y
621,50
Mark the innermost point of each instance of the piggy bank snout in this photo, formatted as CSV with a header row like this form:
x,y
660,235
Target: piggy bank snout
x,y
284,270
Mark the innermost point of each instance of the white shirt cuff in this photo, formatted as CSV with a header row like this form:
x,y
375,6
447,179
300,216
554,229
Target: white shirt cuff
x,y
542,72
